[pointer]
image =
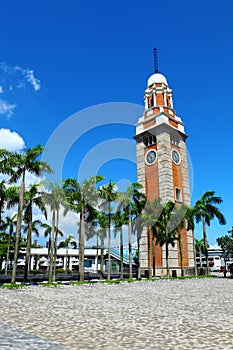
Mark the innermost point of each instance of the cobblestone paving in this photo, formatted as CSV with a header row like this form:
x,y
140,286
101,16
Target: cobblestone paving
x,y
167,315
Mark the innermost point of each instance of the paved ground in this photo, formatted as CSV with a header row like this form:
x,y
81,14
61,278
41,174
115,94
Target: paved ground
x,y
182,314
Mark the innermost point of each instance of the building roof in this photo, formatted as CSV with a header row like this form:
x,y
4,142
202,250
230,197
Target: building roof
x,y
156,78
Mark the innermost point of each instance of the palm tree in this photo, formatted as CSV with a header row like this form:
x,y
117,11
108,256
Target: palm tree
x,y
132,202
10,223
149,217
55,198
82,199
205,212
200,248
17,165
138,227
102,219
65,244
119,219
166,233
109,195
178,222
48,233
9,197
33,198
3,198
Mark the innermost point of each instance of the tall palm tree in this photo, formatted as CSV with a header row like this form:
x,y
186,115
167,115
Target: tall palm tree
x,y
179,221
82,199
10,223
55,198
138,227
48,233
108,194
9,197
200,248
119,219
132,202
65,244
150,216
33,198
206,210
3,197
102,219
17,165
166,233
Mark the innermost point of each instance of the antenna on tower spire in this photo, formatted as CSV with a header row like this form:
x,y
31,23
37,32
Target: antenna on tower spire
x,y
155,61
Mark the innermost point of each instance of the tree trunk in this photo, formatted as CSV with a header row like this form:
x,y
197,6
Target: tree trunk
x,y
97,251
51,255
67,258
55,247
200,256
167,262
81,245
139,271
121,255
205,245
130,246
194,254
109,243
181,252
102,254
18,230
28,251
153,254
149,252
8,249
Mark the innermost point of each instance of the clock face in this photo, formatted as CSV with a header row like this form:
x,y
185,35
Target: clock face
x,y
175,156
151,157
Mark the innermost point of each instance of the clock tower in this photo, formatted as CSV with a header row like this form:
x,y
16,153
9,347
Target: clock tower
x,y
162,169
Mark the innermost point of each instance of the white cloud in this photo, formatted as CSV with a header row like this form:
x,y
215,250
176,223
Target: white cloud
x,y
32,80
10,140
6,108
28,74
1,89
18,77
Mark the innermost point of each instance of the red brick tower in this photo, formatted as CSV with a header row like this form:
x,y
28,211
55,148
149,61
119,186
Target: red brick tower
x,y
162,167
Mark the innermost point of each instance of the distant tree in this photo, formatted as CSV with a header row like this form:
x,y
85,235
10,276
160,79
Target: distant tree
x,y
82,199
179,222
226,244
17,165
119,219
166,230
109,194
102,219
69,241
200,248
55,199
9,224
131,202
32,198
206,211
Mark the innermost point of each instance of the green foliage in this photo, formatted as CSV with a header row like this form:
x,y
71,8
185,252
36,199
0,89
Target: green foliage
x,y
12,286
49,285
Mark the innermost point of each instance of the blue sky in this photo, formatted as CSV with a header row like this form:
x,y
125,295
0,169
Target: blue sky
x,y
58,58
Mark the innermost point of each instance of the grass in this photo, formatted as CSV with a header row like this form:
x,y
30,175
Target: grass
x,y
12,286
49,284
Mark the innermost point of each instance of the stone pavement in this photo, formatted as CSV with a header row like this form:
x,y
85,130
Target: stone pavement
x,y
165,314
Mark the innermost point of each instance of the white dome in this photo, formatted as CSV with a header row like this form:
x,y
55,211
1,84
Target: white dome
x,y
156,78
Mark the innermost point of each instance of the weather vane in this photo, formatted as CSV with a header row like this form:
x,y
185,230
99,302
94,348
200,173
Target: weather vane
x,y
155,61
